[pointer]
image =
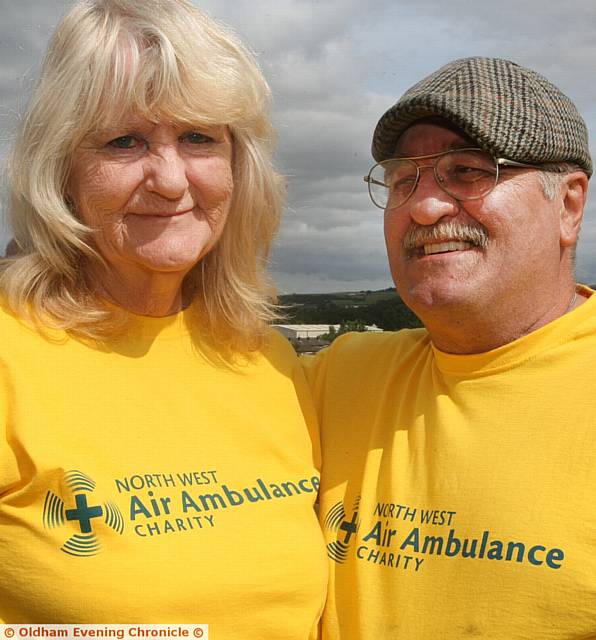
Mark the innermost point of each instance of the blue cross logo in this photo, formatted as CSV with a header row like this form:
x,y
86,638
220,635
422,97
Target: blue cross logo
x,y
83,543
350,527
83,513
337,521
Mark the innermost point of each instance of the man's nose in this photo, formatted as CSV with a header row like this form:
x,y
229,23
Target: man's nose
x,y
429,202
165,172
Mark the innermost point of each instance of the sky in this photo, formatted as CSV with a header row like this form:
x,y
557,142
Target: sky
x,y
334,67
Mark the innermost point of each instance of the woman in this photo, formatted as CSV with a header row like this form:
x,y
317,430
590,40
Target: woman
x,y
155,466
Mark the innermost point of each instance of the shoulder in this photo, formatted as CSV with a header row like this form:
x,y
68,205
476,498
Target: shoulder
x,y
277,342
23,338
360,357
11,324
366,347
375,350
276,345
277,352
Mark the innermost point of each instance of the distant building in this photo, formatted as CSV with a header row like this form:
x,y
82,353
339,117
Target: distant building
x,y
372,328
304,331
310,331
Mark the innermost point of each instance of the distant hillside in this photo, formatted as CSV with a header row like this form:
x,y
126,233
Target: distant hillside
x,y
383,308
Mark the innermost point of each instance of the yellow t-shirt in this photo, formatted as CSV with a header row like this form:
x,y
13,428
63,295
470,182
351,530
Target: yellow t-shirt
x,y
145,481
458,493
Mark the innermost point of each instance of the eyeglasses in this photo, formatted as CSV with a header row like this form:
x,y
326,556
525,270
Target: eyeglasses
x,y
464,174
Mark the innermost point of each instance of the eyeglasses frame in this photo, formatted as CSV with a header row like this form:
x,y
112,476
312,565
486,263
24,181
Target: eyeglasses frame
x,y
499,162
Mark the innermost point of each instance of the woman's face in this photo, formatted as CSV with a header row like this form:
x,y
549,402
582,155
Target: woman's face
x,y
156,195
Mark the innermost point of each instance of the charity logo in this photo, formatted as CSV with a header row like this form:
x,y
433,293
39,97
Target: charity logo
x,y
343,528
84,511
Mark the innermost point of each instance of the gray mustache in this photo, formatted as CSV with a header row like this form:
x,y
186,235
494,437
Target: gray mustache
x,y
417,235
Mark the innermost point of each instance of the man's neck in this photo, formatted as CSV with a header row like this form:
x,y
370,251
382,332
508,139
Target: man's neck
x,y
464,331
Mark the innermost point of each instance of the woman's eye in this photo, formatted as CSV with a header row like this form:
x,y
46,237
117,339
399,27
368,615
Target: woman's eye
x,y
196,137
124,142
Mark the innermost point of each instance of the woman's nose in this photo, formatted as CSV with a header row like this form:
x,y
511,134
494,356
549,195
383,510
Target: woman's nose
x,y
165,172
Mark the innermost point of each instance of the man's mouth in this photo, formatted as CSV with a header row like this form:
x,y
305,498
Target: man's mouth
x,y
444,237
446,247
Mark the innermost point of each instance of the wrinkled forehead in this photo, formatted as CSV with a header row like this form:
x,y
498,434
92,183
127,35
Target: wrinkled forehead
x,y
138,118
431,135
137,81
141,101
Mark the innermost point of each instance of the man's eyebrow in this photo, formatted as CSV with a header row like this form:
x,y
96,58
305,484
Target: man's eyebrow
x,y
461,144
454,145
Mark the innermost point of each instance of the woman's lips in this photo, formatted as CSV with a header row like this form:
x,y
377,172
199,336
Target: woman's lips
x,y
162,214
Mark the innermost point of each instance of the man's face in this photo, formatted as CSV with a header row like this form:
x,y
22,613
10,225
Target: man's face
x,y
521,252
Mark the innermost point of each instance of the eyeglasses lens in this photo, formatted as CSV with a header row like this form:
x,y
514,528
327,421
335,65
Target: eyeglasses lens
x,y
464,175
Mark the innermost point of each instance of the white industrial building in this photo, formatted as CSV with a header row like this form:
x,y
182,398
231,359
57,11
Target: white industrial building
x,y
301,331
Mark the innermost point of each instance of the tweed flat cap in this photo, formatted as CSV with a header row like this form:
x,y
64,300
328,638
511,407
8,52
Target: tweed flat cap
x,y
509,111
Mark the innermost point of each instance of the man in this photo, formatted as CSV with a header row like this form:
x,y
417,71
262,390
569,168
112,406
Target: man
x,y
459,480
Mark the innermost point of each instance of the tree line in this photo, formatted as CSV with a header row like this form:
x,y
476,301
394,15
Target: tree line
x,y
389,314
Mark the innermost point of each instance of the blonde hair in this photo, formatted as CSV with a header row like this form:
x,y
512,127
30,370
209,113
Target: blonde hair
x,y
162,59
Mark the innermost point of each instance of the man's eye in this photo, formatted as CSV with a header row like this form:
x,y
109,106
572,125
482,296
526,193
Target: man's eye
x,y
124,142
468,173
400,181
196,137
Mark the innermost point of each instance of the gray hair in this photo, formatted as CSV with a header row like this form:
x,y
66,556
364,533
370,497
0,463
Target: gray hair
x,y
550,178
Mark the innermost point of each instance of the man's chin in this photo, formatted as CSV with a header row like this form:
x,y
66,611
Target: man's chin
x,y
435,297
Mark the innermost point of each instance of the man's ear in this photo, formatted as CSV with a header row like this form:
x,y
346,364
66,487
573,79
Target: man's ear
x,y
573,194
